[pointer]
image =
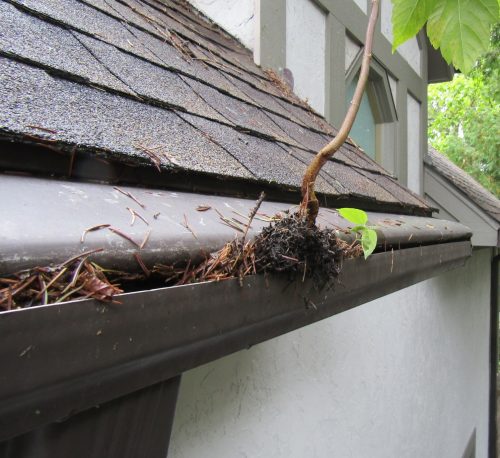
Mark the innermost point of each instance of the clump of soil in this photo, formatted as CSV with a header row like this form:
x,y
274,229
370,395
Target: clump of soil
x,y
290,245
287,246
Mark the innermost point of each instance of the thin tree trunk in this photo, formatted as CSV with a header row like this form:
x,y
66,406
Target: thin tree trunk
x,y
310,204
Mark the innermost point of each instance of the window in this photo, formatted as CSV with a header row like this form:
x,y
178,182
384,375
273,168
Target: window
x,y
375,127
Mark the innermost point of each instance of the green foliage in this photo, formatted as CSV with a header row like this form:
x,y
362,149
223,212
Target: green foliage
x,y
464,118
368,234
408,17
460,28
358,217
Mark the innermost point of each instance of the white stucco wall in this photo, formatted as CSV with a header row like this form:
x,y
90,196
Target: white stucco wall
x,y
414,157
237,17
305,25
402,376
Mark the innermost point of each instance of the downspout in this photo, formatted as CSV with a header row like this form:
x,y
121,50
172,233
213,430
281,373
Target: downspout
x,y
493,354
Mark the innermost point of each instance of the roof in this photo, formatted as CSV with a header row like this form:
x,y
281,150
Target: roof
x,y
464,182
153,85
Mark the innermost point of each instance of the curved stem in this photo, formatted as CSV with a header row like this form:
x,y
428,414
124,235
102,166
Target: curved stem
x,y
310,204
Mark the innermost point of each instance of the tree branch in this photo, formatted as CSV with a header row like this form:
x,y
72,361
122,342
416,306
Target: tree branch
x,y
310,204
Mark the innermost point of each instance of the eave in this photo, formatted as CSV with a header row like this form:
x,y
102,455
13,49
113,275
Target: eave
x,y
450,199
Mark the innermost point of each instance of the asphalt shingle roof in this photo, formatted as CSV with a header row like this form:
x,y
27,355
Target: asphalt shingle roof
x,y
464,182
119,77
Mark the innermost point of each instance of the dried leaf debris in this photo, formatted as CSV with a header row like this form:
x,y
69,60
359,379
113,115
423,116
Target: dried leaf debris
x,y
76,278
287,246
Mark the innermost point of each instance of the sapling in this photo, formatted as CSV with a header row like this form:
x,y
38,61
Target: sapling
x,y
460,30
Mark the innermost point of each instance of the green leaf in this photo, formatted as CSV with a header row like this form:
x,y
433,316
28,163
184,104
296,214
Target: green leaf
x,y
461,29
358,217
408,17
368,241
358,228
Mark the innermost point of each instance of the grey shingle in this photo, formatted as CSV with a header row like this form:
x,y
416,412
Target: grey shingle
x,y
93,119
358,184
89,20
361,160
149,80
400,193
31,38
240,113
259,97
306,138
265,159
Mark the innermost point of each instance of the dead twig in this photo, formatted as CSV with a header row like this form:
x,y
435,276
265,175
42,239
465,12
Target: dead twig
x,y
155,158
254,211
85,253
92,229
145,240
44,129
188,227
130,195
123,235
138,215
142,265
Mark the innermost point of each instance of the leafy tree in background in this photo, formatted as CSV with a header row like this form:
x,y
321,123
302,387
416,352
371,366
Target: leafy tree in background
x,y
464,118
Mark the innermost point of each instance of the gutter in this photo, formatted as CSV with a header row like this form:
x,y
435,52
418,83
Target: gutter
x,y
43,221
65,358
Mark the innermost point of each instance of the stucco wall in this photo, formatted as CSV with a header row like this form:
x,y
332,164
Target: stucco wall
x,y
237,17
305,50
402,376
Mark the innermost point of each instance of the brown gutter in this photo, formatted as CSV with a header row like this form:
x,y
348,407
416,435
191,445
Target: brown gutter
x,y
62,359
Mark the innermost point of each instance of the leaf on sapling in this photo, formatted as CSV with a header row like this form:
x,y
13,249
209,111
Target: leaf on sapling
x,y
368,241
354,215
368,235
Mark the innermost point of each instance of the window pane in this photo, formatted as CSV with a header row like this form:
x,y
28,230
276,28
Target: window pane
x,y
363,130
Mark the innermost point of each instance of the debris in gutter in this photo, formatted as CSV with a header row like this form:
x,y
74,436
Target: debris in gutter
x,y
145,239
188,227
92,229
288,246
130,195
76,278
136,214
123,235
